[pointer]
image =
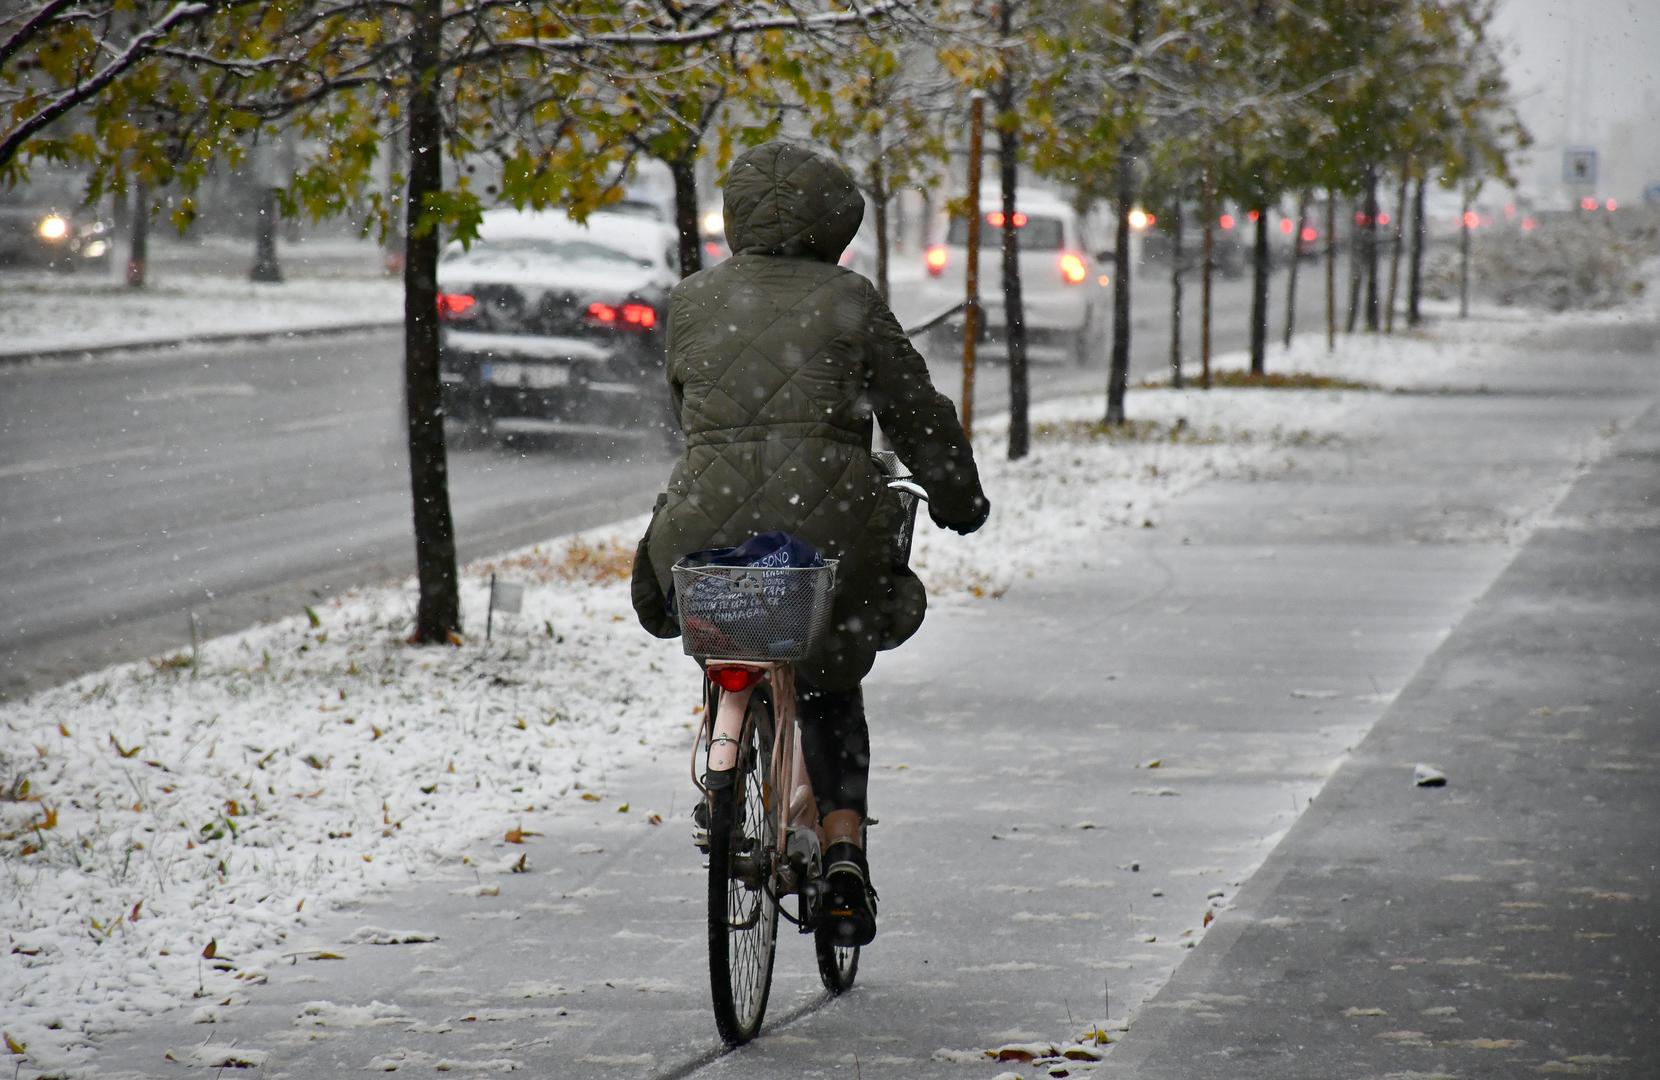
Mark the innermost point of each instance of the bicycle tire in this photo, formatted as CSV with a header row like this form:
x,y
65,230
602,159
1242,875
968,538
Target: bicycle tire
x,y
838,965
743,911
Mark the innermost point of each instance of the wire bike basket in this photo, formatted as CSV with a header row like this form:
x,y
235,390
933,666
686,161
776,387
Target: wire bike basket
x,y
752,612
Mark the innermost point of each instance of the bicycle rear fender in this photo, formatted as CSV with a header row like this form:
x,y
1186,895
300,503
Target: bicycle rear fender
x,y
727,736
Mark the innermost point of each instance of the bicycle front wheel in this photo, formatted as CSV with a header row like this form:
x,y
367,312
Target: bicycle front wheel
x,y
743,910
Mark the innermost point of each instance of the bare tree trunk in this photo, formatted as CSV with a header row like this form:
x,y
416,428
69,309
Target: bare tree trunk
x,y
1331,270
1118,377
1372,302
138,253
1356,267
266,268
1014,311
1464,258
438,613
1207,276
1178,257
397,161
880,196
1259,294
1415,277
683,171
1395,249
1296,261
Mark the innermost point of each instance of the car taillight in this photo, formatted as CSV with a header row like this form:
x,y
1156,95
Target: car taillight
x,y
734,679
1310,234
632,315
1073,268
453,307
1286,225
995,219
1226,221
935,260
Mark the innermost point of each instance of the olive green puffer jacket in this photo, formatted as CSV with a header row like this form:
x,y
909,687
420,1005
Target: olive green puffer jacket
x,y
777,360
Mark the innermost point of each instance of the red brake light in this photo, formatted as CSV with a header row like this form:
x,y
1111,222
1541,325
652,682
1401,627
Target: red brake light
x,y
1528,224
735,680
935,259
1471,219
633,315
1286,225
1073,268
995,219
1226,221
1310,234
1383,219
1587,203
455,306
1254,214
1611,205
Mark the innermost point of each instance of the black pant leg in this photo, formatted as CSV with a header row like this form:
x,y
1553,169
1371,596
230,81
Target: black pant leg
x,y
835,741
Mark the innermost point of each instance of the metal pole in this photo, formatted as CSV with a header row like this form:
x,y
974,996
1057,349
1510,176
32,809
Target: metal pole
x,y
971,302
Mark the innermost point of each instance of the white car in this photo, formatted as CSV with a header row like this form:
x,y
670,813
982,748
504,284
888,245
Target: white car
x,y
548,323
1062,288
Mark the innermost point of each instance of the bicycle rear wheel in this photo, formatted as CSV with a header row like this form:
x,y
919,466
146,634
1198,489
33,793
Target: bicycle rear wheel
x,y
743,911
837,964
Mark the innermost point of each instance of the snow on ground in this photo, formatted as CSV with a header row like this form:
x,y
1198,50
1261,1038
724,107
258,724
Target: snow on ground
x,y
169,828
198,289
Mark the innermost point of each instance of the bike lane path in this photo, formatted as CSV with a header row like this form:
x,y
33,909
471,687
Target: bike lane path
x,y
1032,859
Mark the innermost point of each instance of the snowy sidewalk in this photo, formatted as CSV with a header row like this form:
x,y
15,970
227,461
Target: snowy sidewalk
x,y
1130,685
1501,925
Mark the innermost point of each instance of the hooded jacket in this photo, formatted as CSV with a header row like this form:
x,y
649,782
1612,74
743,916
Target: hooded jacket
x,y
777,361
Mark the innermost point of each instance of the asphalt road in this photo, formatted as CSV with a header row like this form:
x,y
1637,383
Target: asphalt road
x,y
222,486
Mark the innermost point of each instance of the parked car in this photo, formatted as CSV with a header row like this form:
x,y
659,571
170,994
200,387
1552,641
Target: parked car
x,y
553,325
46,225
1061,285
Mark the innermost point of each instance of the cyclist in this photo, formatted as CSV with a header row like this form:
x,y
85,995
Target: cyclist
x,y
778,359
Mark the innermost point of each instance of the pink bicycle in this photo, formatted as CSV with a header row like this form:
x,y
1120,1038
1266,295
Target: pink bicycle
x,y
758,819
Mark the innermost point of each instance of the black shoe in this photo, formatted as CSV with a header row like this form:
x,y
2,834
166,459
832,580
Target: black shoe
x,y
849,901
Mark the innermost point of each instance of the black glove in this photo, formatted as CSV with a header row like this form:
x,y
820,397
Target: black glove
x,y
982,512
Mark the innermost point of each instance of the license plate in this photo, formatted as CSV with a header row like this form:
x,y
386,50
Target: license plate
x,y
527,376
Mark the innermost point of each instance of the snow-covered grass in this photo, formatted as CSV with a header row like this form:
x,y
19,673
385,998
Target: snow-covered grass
x,y
55,311
167,827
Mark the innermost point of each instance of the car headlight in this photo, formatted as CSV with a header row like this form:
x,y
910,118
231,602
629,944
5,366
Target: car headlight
x,y
53,227
95,249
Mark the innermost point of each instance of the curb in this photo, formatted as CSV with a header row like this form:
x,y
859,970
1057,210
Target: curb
x,y
234,337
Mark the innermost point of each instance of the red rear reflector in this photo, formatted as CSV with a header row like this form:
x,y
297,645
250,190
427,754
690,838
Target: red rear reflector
x,y
935,258
1073,268
455,306
735,679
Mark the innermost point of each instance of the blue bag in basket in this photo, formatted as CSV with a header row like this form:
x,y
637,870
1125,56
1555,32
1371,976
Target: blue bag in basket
x,y
716,609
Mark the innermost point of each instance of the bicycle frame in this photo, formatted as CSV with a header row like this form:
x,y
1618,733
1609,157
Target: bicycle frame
x,y
795,815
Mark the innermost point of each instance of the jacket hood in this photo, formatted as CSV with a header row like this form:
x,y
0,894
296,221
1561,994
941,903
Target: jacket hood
x,y
783,198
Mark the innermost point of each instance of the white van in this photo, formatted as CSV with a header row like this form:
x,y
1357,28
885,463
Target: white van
x,y
1062,287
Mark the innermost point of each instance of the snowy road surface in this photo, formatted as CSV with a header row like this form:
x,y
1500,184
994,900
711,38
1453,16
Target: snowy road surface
x,y
1069,777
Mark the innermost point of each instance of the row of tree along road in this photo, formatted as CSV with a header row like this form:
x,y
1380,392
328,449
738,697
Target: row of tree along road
x,y
414,116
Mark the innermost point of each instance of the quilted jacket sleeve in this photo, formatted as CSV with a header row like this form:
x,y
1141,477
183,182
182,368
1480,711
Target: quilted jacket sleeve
x,y
921,421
